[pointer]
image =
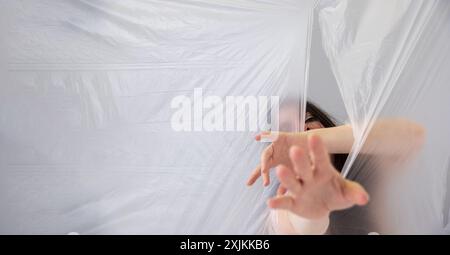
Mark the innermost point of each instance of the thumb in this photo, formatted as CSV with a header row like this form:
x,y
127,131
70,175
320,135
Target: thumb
x,y
355,193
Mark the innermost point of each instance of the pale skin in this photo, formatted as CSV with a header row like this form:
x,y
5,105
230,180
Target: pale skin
x,y
310,186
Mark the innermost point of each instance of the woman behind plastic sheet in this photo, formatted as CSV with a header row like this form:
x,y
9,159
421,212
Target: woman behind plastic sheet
x,y
313,194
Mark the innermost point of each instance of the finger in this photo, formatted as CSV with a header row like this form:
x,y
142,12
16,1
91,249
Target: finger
x,y
301,163
281,190
289,180
266,164
266,178
282,202
266,158
355,193
259,136
256,173
269,136
319,154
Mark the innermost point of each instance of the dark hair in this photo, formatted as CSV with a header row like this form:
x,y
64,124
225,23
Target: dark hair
x,y
327,122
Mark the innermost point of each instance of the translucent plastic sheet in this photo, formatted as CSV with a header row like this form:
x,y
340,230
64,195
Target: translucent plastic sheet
x,y
392,62
86,139
87,95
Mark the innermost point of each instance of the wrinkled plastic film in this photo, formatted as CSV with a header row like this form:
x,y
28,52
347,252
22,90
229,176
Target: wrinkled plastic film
x,y
391,62
86,139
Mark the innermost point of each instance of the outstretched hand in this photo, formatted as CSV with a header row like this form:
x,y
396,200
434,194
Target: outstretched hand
x,y
275,154
314,187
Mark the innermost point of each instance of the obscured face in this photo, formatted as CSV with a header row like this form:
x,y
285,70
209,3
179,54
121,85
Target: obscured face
x,y
288,118
312,122
289,123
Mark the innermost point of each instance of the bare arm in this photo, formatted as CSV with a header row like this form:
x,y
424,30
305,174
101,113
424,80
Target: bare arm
x,y
387,137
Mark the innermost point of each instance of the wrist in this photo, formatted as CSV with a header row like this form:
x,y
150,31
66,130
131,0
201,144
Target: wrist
x,y
306,226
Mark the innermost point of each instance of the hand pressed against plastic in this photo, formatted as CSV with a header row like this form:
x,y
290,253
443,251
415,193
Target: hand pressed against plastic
x,y
278,152
275,154
314,186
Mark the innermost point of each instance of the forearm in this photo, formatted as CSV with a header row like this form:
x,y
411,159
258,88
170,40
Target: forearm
x,y
387,137
394,137
338,140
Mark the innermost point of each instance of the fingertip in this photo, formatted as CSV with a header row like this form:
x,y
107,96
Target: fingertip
x,y
363,196
262,135
280,202
253,177
273,203
281,191
363,199
266,179
270,203
360,197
